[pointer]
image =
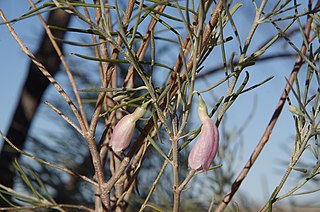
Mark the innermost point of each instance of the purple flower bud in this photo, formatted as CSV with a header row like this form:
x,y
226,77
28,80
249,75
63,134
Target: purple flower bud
x,y
206,147
123,131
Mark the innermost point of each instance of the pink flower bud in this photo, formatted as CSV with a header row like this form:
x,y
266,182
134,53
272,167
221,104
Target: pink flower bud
x,y
206,147
123,131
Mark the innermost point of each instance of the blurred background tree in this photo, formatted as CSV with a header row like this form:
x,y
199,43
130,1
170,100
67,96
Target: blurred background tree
x,y
34,87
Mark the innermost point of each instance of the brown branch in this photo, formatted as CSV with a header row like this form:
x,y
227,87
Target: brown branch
x,y
42,69
140,54
149,127
89,135
186,44
206,73
107,71
212,23
110,68
48,206
66,170
128,82
81,118
66,118
266,135
30,96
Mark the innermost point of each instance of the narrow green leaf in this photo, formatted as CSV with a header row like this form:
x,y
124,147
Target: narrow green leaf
x,y
158,149
123,90
257,85
119,61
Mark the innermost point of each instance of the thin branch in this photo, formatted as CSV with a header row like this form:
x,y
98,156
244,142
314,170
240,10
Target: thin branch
x,y
52,206
187,179
214,70
154,184
213,22
128,82
46,162
88,135
266,135
110,68
66,118
107,72
82,119
149,127
43,70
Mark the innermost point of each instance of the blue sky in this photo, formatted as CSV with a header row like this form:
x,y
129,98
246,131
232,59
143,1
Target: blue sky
x,y
262,177
13,63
